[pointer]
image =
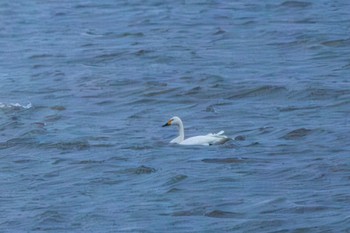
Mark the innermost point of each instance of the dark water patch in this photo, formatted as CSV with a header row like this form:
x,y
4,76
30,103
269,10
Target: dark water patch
x,y
176,179
38,66
294,108
31,134
101,145
325,55
107,57
156,84
88,45
184,213
297,133
51,220
51,217
132,34
89,162
74,145
104,181
57,161
22,161
260,92
124,35
142,52
337,43
53,118
45,56
23,142
145,101
248,22
160,92
224,161
93,6
240,138
52,174
144,170
193,212
263,130
194,91
260,224
138,147
50,91
210,108
200,211
325,93
223,214
219,31
174,190
58,108
253,144
141,170
308,209
209,80
305,21
60,14
214,107
106,102
296,4
117,159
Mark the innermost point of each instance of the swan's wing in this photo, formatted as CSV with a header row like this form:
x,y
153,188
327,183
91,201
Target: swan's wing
x,y
176,140
197,140
210,139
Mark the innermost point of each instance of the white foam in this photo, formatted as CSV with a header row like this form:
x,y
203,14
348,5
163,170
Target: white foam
x,y
15,105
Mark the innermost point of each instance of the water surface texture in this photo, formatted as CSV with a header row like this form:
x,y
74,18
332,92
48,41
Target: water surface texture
x,y
86,85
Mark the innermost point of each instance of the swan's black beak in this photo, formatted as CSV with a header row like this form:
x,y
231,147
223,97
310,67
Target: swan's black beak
x,y
166,124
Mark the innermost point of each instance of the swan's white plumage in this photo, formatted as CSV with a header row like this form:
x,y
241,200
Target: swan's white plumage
x,y
205,140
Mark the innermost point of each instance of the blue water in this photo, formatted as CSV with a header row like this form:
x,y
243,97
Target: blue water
x,y
86,85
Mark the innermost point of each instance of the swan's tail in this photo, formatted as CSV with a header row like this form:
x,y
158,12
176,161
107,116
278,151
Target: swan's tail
x,y
220,138
220,134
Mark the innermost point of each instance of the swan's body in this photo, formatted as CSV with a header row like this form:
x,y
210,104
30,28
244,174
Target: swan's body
x,y
205,140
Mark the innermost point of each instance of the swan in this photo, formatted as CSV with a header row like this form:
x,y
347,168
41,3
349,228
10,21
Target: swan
x,y
205,140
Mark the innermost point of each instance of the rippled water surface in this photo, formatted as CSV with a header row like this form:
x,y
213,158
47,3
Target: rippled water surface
x,y
86,85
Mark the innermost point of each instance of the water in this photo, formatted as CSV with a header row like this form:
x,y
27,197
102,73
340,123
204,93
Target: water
x,y
86,85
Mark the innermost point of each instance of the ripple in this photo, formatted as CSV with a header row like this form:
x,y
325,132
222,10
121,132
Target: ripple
x,y
143,170
58,108
176,179
296,4
89,162
74,145
226,160
297,133
337,43
262,91
223,214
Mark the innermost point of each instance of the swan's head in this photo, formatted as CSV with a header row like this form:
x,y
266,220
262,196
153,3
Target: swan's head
x,y
173,121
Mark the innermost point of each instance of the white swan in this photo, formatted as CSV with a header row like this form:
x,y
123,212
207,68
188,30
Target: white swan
x,y
205,140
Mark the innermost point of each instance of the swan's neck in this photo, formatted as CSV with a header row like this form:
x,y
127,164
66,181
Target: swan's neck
x,y
181,132
181,136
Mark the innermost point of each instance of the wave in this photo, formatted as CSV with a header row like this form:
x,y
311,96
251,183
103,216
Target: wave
x,y
15,106
259,92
